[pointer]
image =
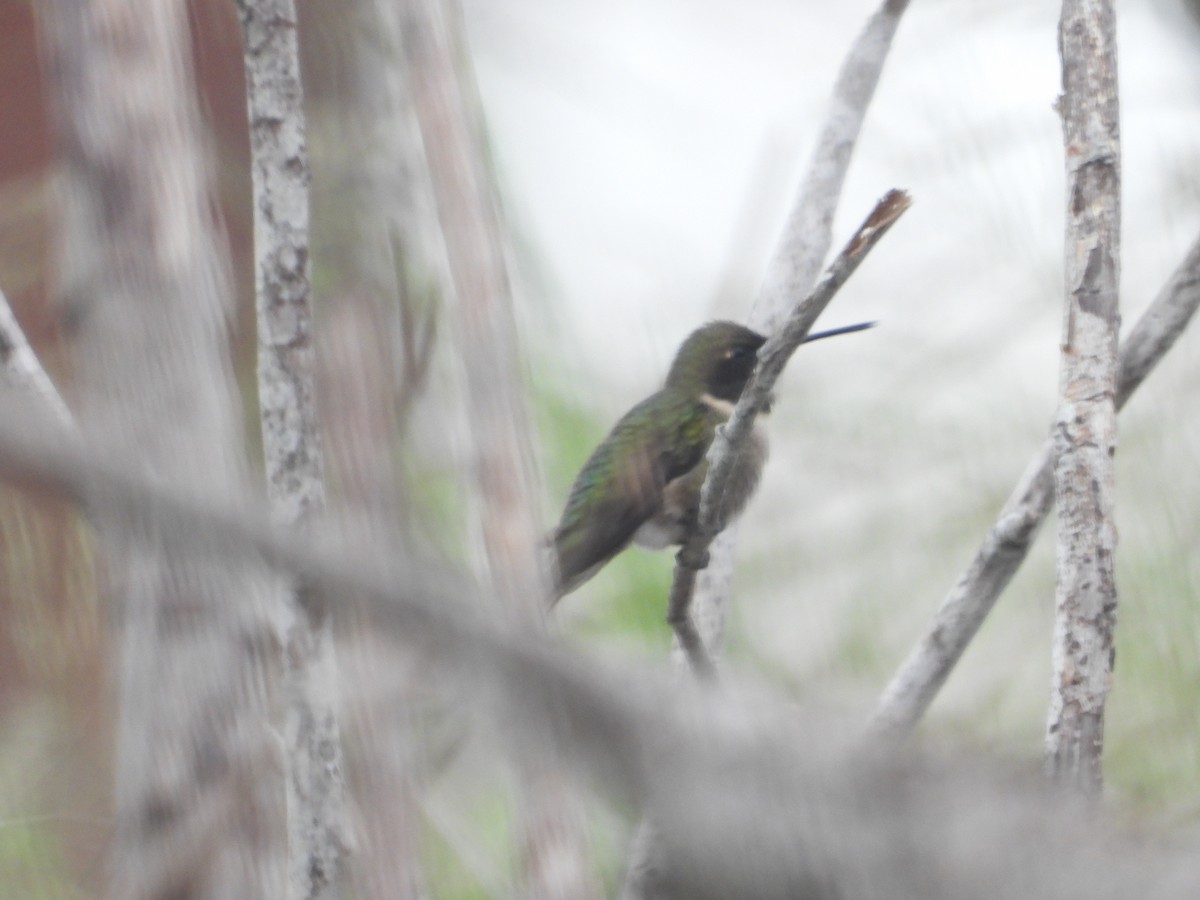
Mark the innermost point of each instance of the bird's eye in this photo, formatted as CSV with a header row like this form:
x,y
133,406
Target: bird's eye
x,y
737,352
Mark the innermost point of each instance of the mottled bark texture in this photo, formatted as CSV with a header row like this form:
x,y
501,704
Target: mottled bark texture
x,y
198,796
1005,546
293,458
555,858
1085,433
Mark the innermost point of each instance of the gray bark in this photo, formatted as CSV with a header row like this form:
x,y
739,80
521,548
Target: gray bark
x,y
755,796
21,370
1085,432
198,797
806,239
915,684
292,451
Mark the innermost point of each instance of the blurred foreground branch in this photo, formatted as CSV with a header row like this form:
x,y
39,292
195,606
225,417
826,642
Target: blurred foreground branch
x,y
751,799
198,797
1007,542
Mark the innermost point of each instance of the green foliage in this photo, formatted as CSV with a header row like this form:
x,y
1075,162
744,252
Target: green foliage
x,y
32,864
488,835
1150,735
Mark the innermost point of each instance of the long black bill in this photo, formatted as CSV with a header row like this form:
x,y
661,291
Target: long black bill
x,y
834,332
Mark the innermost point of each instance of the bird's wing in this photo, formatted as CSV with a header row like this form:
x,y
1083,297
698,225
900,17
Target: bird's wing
x,y
603,513
621,485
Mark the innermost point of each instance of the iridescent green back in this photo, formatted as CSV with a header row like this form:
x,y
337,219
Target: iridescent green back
x,y
621,484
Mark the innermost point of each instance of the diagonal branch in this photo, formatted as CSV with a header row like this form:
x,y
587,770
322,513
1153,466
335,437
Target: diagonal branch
x,y
1006,544
808,234
731,438
803,246
791,273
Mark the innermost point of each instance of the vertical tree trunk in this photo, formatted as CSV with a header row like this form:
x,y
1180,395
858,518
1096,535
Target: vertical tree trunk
x,y
198,796
1086,426
294,459
375,360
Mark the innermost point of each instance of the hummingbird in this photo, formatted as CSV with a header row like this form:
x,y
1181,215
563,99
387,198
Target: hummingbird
x,y
642,484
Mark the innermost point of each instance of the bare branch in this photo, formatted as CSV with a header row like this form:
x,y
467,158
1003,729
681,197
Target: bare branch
x,y
772,358
798,256
283,271
1085,431
750,798
808,233
295,465
1006,544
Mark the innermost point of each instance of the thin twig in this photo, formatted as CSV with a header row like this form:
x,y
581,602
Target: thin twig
x,y
730,439
808,234
928,665
417,336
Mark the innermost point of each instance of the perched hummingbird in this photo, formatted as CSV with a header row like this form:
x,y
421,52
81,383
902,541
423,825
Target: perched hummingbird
x,y
642,484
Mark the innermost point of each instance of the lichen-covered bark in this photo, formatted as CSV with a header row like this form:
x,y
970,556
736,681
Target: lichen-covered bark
x,y
1085,432
279,166
197,793
291,442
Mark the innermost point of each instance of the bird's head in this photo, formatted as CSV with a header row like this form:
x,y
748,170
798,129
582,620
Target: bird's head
x,y
716,359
